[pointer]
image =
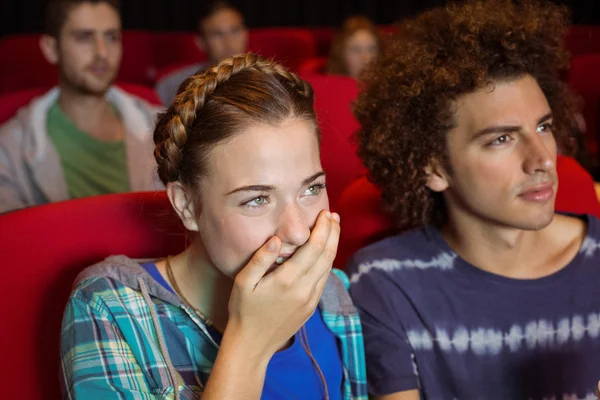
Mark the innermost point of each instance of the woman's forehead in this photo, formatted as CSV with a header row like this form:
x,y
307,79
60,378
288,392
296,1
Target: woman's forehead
x,y
277,155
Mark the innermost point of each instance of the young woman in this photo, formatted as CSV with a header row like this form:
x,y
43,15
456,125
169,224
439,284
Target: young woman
x,y
232,317
354,46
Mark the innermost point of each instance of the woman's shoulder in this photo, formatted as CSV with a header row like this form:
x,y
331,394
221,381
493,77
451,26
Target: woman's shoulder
x,y
118,280
335,298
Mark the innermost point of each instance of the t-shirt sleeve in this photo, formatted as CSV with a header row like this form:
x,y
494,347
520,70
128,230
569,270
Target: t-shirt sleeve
x,y
390,365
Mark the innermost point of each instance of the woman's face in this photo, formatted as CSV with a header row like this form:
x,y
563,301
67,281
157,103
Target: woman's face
x,y
265,181
360,49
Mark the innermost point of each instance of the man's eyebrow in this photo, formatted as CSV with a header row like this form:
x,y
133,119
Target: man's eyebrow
x,y
506,128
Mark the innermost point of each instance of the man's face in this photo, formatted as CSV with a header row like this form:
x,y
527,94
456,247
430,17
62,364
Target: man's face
x,y
223,35
502,157
88,49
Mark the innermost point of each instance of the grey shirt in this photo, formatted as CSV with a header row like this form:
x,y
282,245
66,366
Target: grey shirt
x,y
30,169
168,86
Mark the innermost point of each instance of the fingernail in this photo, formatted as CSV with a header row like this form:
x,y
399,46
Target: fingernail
x,y
328,214
336,216
272,245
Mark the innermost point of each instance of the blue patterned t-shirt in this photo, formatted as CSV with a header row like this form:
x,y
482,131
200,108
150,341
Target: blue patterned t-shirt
x,y
436,323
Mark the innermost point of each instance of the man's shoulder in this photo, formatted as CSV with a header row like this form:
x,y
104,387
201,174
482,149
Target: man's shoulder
x,y
176,77
14,131
411,251
399,246
591,243
186,71
10,131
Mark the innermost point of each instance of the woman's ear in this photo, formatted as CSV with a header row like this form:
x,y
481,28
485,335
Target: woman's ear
x,y
437,176
182,203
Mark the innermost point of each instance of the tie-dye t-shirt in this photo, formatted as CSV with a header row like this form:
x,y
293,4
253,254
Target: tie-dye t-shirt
x,y
434,322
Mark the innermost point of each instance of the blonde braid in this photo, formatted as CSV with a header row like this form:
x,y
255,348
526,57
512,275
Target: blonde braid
x,y
172,129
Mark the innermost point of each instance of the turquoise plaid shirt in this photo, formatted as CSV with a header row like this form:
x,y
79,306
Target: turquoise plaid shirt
x,y
110,346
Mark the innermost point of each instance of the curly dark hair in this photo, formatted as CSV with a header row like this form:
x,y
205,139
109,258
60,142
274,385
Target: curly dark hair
x,y
405,107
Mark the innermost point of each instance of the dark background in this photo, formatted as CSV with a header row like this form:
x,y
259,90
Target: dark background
x,y
26,16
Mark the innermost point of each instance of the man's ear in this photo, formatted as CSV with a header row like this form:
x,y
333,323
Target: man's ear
x,y
49,47
437,176
182,203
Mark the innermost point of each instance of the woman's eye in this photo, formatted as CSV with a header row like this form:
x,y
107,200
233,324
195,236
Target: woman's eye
x,y
314,189
257,201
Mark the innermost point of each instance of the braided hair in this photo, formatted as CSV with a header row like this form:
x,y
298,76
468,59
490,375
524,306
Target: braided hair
x,y
220,102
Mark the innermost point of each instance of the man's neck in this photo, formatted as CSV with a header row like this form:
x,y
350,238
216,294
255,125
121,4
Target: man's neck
x,y
513,252
91,114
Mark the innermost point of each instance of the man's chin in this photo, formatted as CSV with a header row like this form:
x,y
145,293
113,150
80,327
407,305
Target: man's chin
x,y
95,88
538,222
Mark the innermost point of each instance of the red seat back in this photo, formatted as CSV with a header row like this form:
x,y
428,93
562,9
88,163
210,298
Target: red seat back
x,y
43,249
141,91
177,48
323,37
364,221
138,63
289,46
30,69
333,103
583,39
11,102
312,66
23,65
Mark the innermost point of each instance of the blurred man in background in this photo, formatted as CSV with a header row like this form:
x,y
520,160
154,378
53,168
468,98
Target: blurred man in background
x,y
84,137
221,34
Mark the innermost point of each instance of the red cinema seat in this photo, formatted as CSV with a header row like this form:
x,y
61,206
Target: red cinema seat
x,y
141,91
11,102
576,192
23,65
43,250
138,64
323,38
334,96
583,39
314,65
289,46
177,48
364,221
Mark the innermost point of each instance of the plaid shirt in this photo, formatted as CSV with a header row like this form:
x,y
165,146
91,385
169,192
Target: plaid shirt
x,y
110,346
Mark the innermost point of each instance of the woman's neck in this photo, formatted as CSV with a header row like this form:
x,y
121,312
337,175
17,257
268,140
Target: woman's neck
x,y
201,284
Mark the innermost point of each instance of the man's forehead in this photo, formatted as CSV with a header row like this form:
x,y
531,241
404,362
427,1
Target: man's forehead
x,y
89,17
503,101
222,18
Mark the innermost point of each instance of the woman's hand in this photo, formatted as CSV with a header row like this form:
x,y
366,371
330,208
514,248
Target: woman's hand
x,y
267,309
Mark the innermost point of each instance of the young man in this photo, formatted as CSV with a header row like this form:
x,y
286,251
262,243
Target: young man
x,y
221,34
84,137
487,294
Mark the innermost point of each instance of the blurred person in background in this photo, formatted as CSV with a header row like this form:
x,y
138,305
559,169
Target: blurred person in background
x,y
84,137
354,46
221,34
